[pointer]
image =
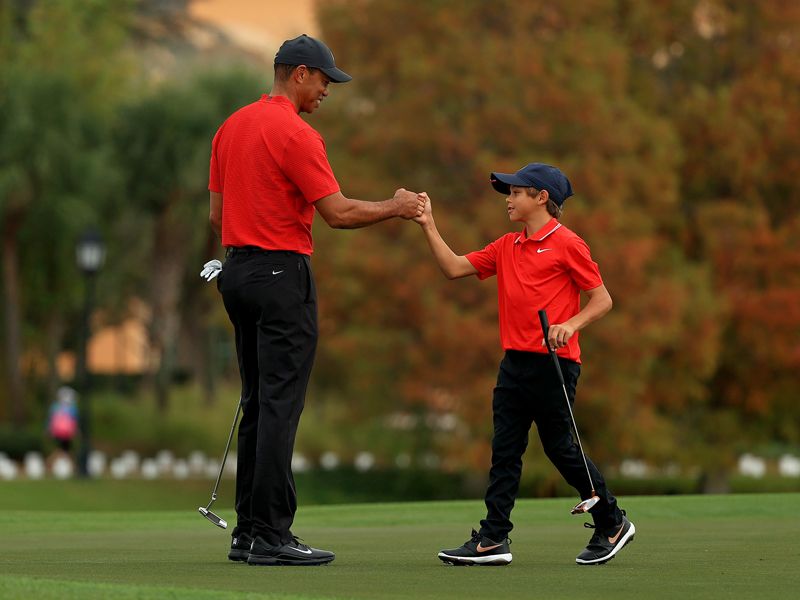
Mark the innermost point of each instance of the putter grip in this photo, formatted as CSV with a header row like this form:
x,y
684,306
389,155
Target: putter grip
x,y
545,330
545,324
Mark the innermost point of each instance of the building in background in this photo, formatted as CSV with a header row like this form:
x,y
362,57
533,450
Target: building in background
x,y
257,25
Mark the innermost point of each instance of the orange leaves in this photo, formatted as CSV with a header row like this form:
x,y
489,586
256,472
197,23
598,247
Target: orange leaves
x,y
679,131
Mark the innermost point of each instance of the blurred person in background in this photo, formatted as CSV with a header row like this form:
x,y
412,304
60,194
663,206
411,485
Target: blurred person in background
x,y
62,422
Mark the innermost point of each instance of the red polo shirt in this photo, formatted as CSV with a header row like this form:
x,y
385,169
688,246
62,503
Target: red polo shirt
x,y
270,167
546,270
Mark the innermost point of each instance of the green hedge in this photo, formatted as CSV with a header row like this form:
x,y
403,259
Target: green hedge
x,y
346,485
17,442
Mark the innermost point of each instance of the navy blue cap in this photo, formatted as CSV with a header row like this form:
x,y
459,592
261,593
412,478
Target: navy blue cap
x,y
305,50
535,175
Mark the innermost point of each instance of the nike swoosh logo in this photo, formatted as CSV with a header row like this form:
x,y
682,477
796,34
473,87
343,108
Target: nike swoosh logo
x,y
301,551
540,250
277,272
482,549
616,537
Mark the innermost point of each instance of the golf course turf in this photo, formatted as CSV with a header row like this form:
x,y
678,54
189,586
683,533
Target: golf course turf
x,y
735,546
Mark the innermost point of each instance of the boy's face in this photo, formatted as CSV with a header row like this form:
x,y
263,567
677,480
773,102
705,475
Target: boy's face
x,y
521,205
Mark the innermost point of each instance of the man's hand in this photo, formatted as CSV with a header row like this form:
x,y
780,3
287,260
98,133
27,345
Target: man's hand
x,y
211,269
427,213
409,204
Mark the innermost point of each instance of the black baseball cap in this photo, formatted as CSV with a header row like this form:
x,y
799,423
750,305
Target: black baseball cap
x,y
536,175
305,50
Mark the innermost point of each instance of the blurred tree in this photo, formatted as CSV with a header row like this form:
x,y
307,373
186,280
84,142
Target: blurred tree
x,y
443,93
677,121
619,94
727,75
58,84
163,144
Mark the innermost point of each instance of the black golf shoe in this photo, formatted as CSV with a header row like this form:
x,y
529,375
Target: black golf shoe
x,y
291,553
240,548
604,545
478,550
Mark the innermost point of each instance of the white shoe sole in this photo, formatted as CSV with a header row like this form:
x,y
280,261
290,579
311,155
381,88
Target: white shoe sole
x,y
628,537
493,559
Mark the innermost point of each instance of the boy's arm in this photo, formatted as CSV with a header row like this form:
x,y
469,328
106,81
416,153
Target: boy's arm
x,y
452,265
598,305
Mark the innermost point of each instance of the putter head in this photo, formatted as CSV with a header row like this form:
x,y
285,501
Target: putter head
x,y
584,505
215,519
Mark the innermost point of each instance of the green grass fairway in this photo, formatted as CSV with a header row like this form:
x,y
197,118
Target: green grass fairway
x,y
738,546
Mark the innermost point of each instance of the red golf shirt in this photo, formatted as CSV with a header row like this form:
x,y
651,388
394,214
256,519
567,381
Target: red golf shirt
x,y
546,270
270,167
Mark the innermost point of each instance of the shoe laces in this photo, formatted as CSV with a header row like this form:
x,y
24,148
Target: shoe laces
x,y
591,526
596,536
477,537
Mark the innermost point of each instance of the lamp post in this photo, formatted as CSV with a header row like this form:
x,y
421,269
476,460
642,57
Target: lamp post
x,y
90,254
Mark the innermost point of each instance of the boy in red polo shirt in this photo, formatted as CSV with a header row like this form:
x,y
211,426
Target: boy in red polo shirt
x,y
545,266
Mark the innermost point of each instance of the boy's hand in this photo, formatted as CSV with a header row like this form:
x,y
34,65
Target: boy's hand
x,y
558,335
427,213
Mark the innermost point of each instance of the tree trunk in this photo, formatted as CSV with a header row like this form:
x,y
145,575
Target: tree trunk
x,y
55,335
196,344
715,480
13,319
205,365
169,259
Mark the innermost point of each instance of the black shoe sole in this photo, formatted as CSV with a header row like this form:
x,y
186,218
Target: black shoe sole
x,y
238,555
610,558
271,561
456,562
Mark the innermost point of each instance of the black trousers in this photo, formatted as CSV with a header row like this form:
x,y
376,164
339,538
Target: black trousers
x,y
271,300
528,391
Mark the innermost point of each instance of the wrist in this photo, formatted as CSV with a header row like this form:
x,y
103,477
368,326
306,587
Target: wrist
x,y
395,207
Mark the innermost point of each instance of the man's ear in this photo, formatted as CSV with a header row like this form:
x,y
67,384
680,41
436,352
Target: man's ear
x,y
300,73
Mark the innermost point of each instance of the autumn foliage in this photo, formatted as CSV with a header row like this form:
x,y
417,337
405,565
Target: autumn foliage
x,y
678,125
677,121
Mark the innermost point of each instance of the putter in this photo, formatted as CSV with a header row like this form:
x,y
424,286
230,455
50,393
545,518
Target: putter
x,y
584,505
216,519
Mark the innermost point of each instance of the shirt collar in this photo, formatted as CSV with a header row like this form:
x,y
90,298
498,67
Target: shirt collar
x,y
276,100
550,227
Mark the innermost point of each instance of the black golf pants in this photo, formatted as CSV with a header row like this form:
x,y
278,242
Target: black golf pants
x,y
528,391
271,300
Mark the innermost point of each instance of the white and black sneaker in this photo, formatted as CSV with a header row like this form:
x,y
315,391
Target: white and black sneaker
x,y
478,550
604,545
291,553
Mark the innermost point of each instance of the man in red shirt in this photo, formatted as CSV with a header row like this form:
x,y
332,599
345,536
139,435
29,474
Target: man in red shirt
x,y
269,174
546,266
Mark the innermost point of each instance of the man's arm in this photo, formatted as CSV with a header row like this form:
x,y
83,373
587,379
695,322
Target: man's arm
x,y
452,265
598,305
215,213
341,212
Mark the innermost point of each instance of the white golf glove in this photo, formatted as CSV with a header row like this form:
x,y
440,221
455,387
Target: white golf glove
x,y
211,269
